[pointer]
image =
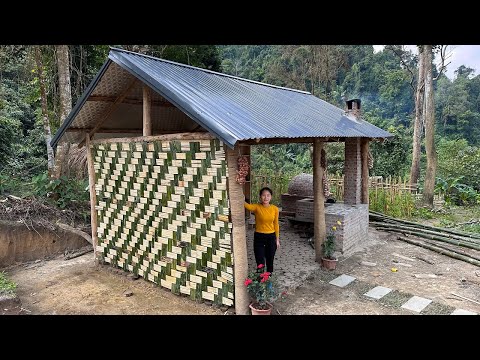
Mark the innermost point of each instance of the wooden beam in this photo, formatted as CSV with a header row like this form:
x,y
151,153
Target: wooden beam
x,y
123,131
128,100
364,150
237,213
289,140
110,109
147,111
93,197
167,137
318,200
113,131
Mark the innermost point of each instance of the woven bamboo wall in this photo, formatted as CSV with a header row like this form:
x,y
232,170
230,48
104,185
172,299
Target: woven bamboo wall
x,y
162,211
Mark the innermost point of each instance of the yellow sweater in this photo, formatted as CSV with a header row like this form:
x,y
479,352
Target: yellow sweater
x,y
266,218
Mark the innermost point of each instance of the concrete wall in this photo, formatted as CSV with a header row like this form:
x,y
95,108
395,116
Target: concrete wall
x,y
19,244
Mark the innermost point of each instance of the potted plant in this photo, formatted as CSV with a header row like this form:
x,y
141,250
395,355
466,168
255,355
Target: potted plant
x,y
329,261
263,289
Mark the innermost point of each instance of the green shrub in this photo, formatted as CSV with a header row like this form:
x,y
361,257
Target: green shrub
x,y
63,191
7,286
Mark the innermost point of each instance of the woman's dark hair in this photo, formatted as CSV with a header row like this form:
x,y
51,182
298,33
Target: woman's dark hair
x,y
267,189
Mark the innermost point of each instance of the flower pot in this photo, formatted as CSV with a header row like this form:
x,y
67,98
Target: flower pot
x,y
260,311
329,264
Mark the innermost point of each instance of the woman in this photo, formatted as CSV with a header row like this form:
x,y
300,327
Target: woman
x,y
266,238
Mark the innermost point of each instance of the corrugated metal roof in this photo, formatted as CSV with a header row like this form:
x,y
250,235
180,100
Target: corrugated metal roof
x,y
236,109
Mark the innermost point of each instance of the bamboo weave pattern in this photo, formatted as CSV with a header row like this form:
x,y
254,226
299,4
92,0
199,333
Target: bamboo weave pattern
x,y
162,211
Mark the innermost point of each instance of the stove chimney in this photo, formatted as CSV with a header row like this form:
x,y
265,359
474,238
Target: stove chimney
x,y
353,108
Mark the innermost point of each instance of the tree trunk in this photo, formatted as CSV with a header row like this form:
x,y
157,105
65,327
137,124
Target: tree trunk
x,y
429,129
239,241
46,122
417,129
63,63
318,200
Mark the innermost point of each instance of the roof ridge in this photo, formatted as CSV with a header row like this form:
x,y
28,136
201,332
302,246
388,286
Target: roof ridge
x,y
210,71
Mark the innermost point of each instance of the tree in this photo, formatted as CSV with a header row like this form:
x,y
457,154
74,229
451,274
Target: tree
x,y
203,56
46,122
429,127
313,68
417,127
63,63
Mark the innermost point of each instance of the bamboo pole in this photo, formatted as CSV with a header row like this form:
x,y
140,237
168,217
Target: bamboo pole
x,y
461,252
387,218
237,211
441,251
93,197
426,231
433,237
319,199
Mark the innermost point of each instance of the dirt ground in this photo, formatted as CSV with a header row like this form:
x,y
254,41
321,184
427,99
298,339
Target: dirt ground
x,y
435,281
77,286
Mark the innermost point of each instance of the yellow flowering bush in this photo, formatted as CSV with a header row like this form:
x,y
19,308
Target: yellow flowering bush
x,y
330,242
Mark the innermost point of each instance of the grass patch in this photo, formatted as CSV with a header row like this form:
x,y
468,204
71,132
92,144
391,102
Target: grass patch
x,y
474,228
7,287
326,275
360,287
395,299
435,308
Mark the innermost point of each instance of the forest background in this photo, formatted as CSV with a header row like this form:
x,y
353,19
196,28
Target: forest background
x,y
35,99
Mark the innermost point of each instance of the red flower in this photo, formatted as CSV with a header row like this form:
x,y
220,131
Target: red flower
x,y
262,287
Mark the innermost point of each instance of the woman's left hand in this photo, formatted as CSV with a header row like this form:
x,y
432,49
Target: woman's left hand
x,y
278,243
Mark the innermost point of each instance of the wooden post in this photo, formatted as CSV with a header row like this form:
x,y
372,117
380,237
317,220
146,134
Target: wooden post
x,y
147,106
237,213
93,197
318,200
364,149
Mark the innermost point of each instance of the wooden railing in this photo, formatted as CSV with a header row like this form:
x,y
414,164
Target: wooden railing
x,y
393,185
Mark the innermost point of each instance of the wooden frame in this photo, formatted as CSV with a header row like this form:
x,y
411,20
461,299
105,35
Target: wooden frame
x,y
110,109
166,137
93,197
318,200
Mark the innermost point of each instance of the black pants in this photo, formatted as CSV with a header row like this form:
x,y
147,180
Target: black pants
x,y
264,247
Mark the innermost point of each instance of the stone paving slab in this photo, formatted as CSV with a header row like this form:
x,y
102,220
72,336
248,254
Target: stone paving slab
x,y
378,292
463,312
416,304
342,280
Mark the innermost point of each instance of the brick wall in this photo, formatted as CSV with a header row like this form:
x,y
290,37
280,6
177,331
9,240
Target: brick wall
x,y
304,210
289,202
354,228
353,167
354,219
